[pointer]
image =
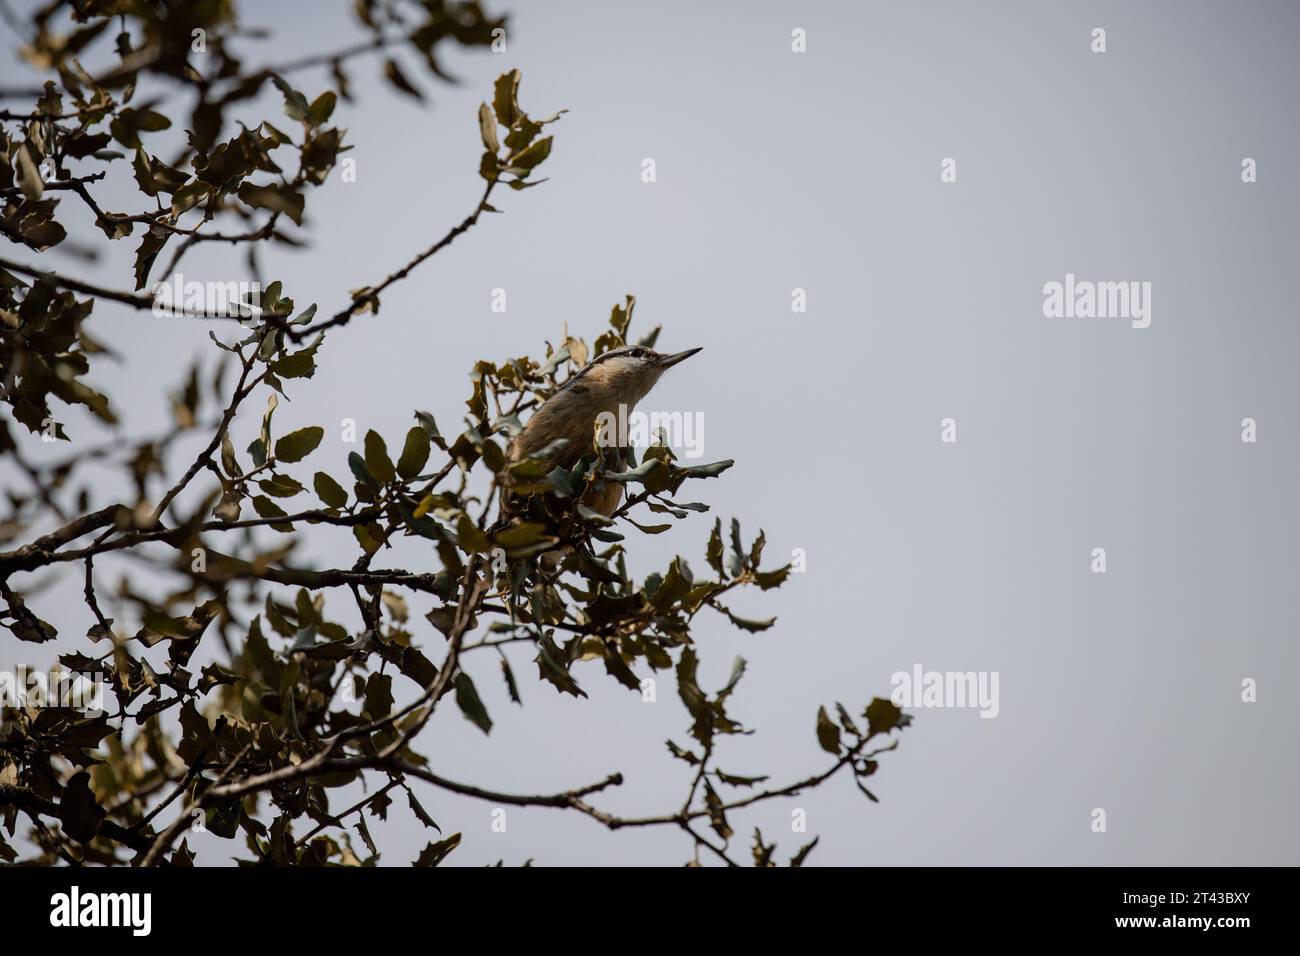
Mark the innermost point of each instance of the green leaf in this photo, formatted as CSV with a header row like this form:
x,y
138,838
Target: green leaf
x,y
766,580
711,470
745,623
295,104
414,453
471,706
505,98
675,585
297,445
329,491
321,108
280,486
276,198
470,538
714,551
521,535
359,471
550,666
267,508
431,428
189,196
377,461
301,364
884,715
534,155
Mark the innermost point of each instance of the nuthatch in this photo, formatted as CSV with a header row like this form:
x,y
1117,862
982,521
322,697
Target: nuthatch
x,y
619,377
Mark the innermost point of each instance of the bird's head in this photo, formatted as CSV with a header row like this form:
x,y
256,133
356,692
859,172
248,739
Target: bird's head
x,y
626,374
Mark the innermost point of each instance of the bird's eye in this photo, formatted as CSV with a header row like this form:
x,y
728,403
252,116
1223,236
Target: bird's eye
x,y
637,353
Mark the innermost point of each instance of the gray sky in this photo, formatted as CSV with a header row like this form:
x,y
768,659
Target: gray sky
x,y
821,171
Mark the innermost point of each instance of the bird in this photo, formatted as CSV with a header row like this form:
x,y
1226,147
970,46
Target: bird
x,y
611,384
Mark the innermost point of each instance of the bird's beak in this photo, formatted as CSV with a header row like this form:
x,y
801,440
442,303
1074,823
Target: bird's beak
x,y
668,361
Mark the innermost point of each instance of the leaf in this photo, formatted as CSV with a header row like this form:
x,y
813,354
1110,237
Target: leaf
x,y
431,428
281,199
379,696
295,104
329,491
883,716
393,73
281,486
505,98
737,781
736,560
798,858
301,364
681,754
29,172
766,580
321,108
78,811
675,585
521,535
487,124
228,460
470,705
227,509
744,623
27,626
420,813
550,666
714,552
533,156
828,732
717,817
189,196
711,470
145,254
511,686
267,508
264,436
377,461
469,537
297,445
359,471
435,853
415,453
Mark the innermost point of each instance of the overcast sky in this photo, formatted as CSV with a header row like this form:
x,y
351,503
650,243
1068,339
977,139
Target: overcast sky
x,y
821,170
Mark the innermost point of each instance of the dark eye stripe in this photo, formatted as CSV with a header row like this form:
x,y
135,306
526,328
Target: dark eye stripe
x,y
634,352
